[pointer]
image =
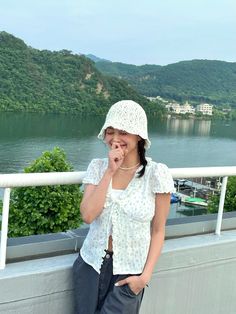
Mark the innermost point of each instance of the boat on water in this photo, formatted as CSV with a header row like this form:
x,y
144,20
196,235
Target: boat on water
x,y
175,198
195,201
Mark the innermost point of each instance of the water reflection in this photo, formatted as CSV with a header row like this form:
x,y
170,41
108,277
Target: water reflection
x,y
188,126
203,127
177,142
35,125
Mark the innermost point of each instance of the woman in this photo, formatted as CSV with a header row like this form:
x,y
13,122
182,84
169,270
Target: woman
x,y
126,202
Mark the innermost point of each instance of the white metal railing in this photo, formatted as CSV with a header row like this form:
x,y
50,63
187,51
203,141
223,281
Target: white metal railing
x,y
8,181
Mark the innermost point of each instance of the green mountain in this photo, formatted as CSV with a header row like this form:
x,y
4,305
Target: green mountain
x,y
58,81
95,58
196,80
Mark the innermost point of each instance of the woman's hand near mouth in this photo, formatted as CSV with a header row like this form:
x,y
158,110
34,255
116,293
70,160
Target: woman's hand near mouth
x,y
116,157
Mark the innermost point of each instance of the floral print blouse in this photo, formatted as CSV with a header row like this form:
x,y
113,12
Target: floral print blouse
x,y
128,216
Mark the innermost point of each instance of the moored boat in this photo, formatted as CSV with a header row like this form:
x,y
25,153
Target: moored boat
x,y
195,201
175,198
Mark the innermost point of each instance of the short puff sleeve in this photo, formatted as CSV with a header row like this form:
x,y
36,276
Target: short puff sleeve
x,y
92,173
162,181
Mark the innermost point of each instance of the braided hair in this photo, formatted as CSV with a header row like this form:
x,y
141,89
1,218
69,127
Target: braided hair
x,y
143,161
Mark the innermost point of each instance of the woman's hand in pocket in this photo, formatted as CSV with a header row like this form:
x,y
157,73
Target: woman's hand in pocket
x,y
135,283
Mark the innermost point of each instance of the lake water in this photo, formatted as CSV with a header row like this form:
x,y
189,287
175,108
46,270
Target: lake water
x,y
176,142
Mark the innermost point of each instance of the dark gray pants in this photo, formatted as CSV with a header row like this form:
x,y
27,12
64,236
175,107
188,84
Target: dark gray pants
x,y
96,294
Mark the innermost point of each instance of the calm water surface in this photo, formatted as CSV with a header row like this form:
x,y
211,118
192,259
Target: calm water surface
x,y
176,142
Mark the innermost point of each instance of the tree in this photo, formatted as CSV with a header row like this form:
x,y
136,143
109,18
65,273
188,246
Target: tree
x,y
56,82
47,209
230,198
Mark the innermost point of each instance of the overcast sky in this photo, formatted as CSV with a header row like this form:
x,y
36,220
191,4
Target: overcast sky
x,y
129,31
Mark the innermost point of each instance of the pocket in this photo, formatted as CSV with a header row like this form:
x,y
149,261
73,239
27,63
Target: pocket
x,y
130,291
125,289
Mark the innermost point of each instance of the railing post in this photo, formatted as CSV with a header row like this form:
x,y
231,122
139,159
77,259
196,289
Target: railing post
x,y
221,205
5,214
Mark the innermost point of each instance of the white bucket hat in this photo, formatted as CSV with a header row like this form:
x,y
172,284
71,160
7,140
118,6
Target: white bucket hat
x,y
129,116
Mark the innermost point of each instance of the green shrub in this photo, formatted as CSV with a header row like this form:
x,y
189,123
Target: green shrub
x,y
47,209
230,198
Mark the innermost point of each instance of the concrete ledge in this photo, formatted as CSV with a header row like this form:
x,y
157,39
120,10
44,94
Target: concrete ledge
x,y
194,275
186,226
33,247
53,304
197,250
37,278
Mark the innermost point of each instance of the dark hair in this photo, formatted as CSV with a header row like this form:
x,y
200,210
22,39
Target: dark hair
x,y
143,161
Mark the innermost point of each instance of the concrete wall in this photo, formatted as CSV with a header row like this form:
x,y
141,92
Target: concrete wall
x,y
195,275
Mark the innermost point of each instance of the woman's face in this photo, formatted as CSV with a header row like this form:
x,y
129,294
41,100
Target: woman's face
x,y
128,142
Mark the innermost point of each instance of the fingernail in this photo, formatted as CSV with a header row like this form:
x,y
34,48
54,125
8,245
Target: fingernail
x,y
117,284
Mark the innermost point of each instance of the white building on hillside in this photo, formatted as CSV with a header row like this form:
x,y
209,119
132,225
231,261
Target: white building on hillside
x,y
180,109
174,107
205,109
187,108
157,98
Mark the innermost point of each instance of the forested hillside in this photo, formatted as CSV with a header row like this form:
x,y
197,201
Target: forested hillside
x,y
58,81
196,80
